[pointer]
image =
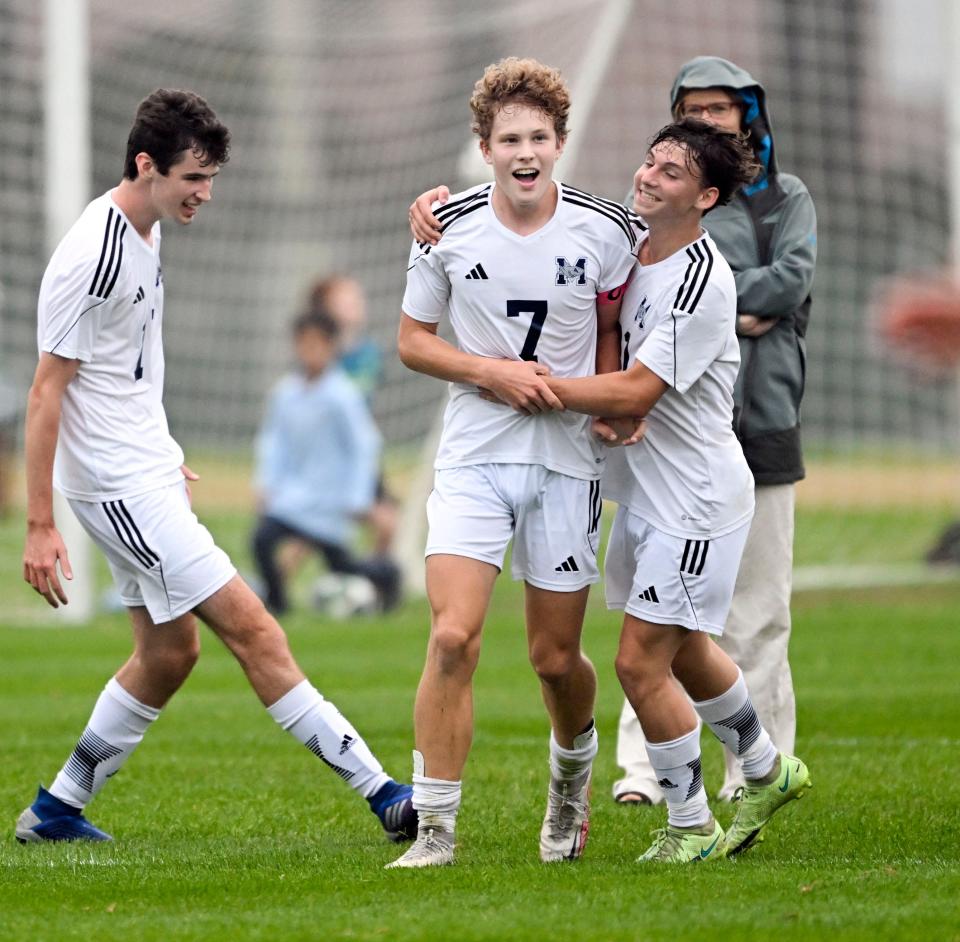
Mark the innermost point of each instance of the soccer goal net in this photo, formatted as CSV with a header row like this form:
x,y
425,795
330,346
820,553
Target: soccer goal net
x,y
342,112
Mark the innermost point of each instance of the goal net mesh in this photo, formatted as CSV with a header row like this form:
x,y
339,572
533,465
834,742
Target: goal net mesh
x,y
342,112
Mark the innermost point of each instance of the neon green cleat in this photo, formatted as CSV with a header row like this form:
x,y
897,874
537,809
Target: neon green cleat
x,y
757,804
684,845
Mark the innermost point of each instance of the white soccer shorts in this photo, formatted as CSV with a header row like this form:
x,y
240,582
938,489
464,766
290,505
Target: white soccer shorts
x,y
554,520
160,555
670,580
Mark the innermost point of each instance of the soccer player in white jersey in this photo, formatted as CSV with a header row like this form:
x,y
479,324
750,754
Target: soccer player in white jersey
x,y
685,497
96,429
529,272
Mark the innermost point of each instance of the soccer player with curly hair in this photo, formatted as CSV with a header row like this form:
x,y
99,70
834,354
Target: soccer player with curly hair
x,y
530,273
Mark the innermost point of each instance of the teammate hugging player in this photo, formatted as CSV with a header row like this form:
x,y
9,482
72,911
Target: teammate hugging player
x,y
685,497
528,271
99,385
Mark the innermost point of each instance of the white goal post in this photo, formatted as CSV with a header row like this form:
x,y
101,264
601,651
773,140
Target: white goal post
x,y
66,114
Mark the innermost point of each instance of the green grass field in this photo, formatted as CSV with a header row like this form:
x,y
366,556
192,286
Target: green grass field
x,y
228,829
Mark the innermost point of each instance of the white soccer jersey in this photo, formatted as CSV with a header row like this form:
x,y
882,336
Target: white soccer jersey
x,y
521,298
688,476
101,302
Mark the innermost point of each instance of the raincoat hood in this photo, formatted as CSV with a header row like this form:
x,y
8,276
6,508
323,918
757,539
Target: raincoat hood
x,y
714,72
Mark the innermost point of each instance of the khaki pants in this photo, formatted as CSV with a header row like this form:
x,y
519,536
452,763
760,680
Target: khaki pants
x,y
756,636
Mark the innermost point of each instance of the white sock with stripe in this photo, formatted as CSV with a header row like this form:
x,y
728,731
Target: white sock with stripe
x,y
115,728
677,765
735,723
324,730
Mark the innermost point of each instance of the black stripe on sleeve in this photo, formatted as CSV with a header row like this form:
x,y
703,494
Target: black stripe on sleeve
x,y
686,275
450,209
704,279
116,270
113,254
464,212
621,210
603,211
694,252
103,251
629,217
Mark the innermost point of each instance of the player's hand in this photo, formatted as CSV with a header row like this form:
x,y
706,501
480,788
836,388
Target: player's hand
x,y
189,476
520,385
44,548
617,432
424,226
750,325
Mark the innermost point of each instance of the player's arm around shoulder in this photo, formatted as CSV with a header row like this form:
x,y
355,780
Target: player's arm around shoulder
x,y
44,546
424,225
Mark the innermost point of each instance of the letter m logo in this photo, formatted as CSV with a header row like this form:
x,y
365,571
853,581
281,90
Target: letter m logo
x,y
575,274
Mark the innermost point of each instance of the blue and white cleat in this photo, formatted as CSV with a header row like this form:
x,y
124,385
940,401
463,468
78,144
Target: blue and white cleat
x,y
50,819
393,805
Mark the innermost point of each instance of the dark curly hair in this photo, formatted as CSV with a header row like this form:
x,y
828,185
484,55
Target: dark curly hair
x,y
721,159
169,122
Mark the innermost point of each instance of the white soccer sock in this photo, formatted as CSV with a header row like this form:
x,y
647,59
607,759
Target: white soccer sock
x,y
114,730
436,800
735,723
677,765
567,764
324,730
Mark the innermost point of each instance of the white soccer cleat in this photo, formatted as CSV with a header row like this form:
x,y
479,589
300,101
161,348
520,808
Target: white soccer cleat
x,y
567,821
432,848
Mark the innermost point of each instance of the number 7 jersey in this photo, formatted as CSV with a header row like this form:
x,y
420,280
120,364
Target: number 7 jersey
x,y
521,298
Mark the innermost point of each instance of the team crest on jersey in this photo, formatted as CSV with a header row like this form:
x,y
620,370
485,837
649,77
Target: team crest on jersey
x,y
641,312
567,274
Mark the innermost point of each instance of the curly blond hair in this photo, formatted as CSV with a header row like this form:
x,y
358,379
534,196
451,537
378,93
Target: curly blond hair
x,y
521,81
